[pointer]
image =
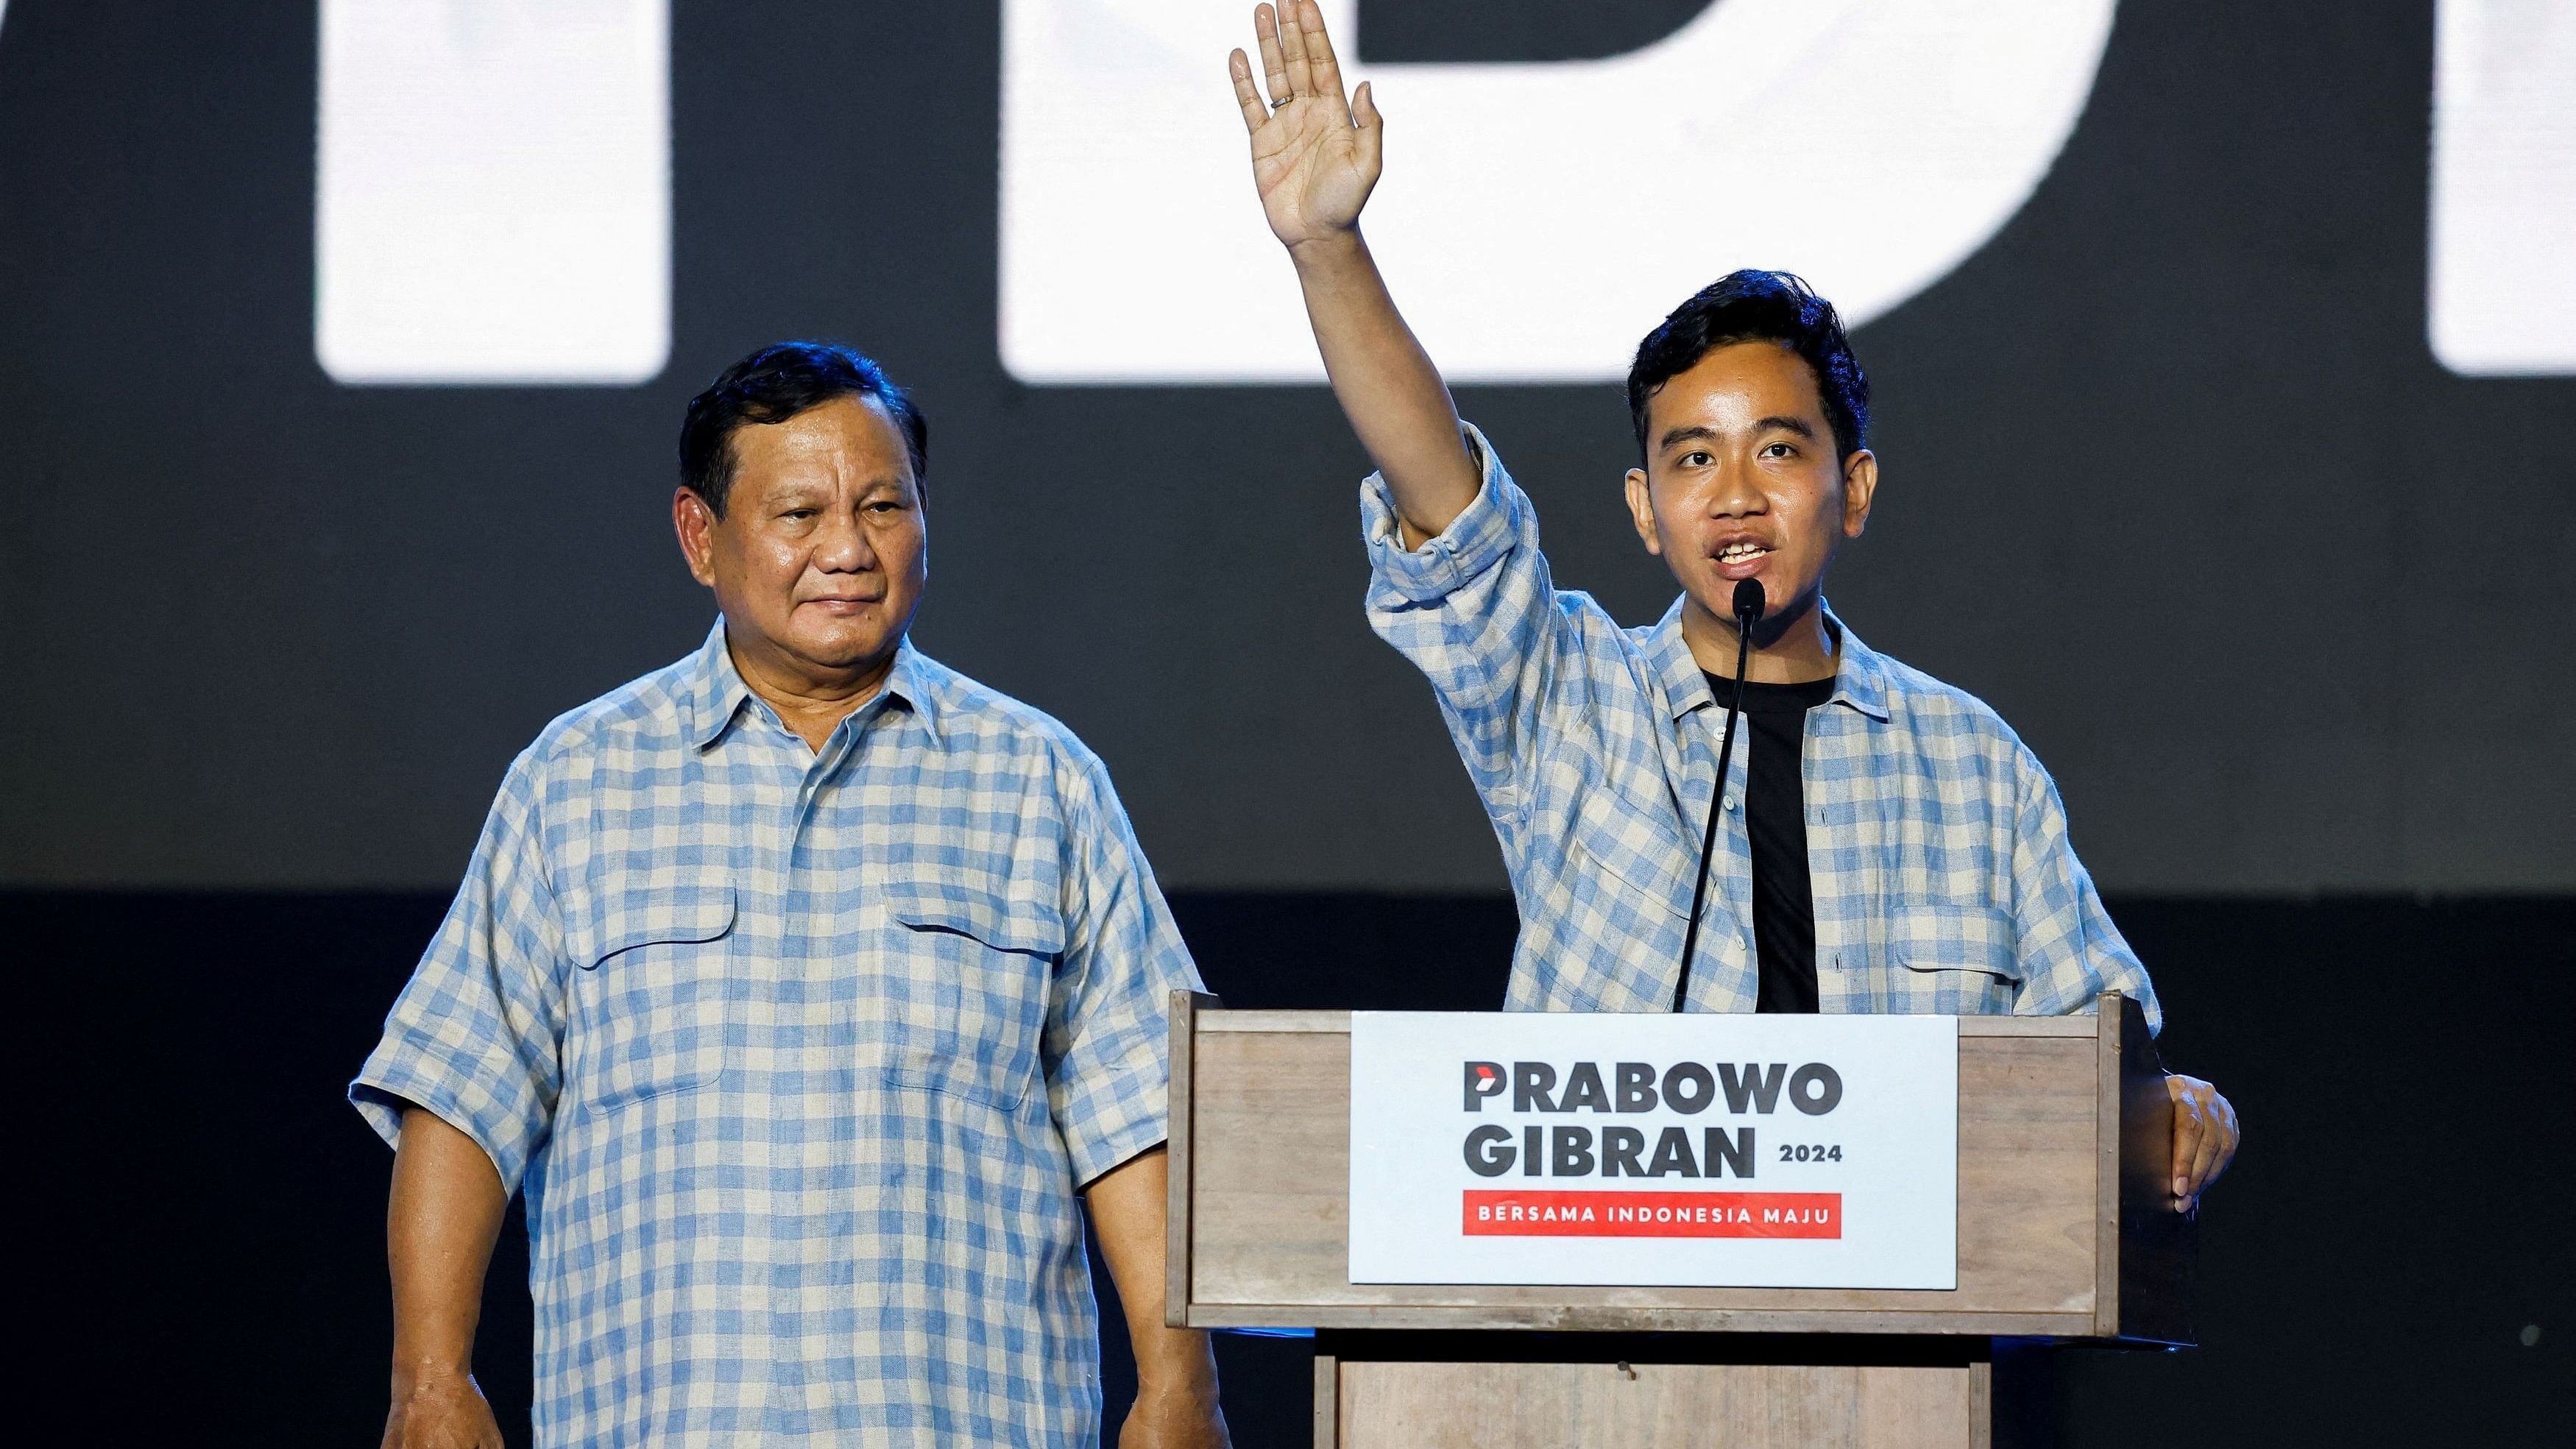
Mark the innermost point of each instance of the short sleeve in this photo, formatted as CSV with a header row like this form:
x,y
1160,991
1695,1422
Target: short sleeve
x,y
476,1036
1108,1032
2070,951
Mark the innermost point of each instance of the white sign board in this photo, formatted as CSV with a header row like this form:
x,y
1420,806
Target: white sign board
x,y
1706,1150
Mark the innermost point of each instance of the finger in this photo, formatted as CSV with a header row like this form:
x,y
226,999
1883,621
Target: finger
x,y
2225,1139
2188,1130
1292,39
2204,1164
1254,112
1327,66
1274,61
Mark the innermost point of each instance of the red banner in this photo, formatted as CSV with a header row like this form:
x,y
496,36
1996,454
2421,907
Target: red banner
x,y
1653,1214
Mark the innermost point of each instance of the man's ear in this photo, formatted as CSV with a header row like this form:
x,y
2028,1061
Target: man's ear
x,y
695,523
1641,512
1860,488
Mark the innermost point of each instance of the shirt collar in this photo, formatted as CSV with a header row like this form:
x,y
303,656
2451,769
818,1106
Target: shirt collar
x,y
716,692
1860,678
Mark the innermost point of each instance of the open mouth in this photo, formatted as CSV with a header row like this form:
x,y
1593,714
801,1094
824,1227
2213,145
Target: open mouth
x,y
1736,553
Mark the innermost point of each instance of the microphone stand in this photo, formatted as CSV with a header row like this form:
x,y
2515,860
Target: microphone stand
x,y
1748,603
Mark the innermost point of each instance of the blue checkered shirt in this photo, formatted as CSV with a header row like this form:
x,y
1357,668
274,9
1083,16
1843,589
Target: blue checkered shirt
x,y
1943,879
800,1057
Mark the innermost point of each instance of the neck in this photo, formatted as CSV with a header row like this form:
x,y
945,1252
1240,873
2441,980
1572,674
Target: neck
x,y
809,699
1789,647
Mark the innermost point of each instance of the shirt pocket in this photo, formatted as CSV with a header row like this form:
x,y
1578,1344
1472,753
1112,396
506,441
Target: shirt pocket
x,y
1617,845
655,994
1955,960
973,972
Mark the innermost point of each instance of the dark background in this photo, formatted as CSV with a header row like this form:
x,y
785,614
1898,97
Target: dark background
x,y
207,1251
2171,477
2172,480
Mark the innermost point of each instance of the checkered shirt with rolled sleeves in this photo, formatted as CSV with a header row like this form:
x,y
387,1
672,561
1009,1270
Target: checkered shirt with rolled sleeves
x,y
800,1058
1944,882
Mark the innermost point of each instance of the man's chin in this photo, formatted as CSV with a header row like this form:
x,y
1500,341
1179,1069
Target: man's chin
x,y
844,651
1781,603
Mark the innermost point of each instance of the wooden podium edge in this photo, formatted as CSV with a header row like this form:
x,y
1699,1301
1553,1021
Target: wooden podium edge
x,y
1184,1013
1920,1323
2107,1103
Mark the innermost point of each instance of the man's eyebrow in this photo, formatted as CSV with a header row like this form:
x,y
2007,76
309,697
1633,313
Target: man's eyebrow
x,y
1694,433
1787,425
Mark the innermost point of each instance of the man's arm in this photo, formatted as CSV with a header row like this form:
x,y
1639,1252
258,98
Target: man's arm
x,y
440,1224
1175,1369
1316,154
2071,953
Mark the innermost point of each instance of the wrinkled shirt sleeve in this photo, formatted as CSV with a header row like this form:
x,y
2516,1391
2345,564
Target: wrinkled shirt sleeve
x,y
476,1037
2070,952
1477,611
1108,1030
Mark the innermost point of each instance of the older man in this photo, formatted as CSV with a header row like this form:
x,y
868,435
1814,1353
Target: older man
x,y
803,985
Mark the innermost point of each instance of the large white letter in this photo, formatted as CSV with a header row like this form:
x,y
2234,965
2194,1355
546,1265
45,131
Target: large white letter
x,y
1537,219
2501,278
492,199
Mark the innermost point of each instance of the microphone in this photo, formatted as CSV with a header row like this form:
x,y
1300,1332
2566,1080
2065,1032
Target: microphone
x,y
1748,611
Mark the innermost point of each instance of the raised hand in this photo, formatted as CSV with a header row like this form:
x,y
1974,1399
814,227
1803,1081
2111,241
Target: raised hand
x,y
1316,153
1315,157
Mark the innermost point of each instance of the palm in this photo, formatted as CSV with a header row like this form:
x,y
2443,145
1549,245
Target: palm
x,y
1306,161
1315,152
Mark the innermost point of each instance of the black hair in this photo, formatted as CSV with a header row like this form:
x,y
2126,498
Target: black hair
x,y
775,384
1757,306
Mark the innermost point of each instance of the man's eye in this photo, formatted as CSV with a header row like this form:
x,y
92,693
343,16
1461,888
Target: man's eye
x,y
1780,450
1696,459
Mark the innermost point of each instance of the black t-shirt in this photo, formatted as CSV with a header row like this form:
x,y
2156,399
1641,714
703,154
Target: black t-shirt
x,y
1774,733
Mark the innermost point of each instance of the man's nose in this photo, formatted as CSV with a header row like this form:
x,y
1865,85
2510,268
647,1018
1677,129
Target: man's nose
x,y
1731,490
843,547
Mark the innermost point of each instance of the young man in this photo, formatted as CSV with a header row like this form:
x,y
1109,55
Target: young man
x,y
809,988
1885,842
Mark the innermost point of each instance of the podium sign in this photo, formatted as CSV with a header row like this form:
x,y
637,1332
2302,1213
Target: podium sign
x,y
1705,1150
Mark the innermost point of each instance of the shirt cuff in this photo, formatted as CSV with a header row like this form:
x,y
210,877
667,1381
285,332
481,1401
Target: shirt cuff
x,y
1094,1155
383,1090
1473,542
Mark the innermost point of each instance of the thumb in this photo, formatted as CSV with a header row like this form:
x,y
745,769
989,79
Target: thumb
x,y
1371,126
1364,112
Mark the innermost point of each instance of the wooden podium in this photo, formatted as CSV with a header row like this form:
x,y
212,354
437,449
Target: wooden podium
x,y
2064,1233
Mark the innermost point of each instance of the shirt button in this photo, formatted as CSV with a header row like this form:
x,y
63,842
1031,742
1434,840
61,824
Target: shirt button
x,y
1730,802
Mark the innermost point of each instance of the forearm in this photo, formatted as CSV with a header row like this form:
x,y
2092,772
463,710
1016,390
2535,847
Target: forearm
x,y
440,1224
1386,383
1128,1208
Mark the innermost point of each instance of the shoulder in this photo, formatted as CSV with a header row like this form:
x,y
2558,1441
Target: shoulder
x,y
626,725
975,718
1923,697
1938,712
